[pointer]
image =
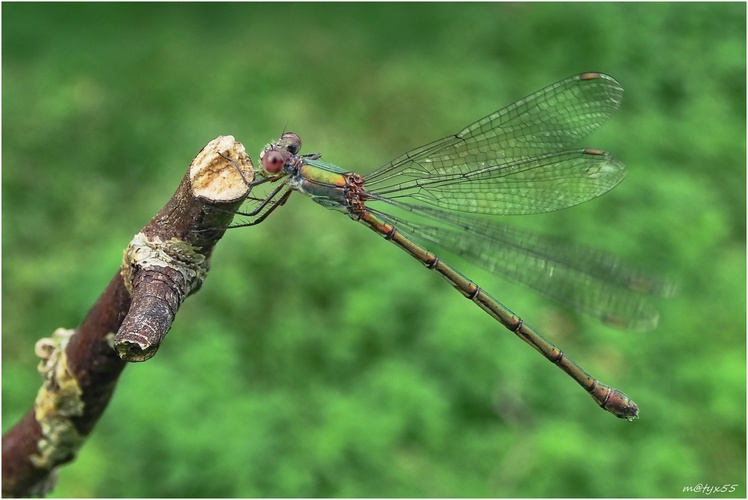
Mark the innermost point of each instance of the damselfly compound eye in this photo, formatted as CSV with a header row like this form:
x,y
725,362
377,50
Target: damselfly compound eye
x,y
291,142
273,161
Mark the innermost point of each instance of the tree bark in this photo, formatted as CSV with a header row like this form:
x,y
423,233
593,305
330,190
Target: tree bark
x,y
163,264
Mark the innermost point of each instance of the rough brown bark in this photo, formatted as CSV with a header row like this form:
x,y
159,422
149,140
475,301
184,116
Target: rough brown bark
x,y
164,263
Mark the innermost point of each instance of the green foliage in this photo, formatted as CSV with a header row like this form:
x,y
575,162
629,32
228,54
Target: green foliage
x,y
318,360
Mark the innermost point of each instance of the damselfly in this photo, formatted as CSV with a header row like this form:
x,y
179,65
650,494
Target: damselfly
x,y
512,162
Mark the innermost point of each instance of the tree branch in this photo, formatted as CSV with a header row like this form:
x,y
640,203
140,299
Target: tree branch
x,y
163,264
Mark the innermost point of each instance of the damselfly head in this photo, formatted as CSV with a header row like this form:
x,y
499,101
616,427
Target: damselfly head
x,y
275,156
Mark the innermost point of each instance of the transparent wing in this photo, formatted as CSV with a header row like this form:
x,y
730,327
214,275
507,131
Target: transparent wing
x,y
544,122
586,280
525,186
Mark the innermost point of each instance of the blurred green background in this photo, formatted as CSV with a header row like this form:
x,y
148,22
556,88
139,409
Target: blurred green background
x,y
319,360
